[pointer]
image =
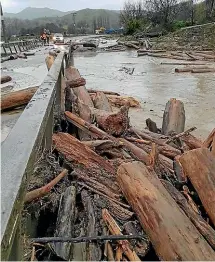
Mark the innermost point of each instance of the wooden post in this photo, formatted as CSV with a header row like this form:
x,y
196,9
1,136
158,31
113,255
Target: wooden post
x,y
172,234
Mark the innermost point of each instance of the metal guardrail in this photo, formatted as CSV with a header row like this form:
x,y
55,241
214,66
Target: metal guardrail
x,y
19,46
20,151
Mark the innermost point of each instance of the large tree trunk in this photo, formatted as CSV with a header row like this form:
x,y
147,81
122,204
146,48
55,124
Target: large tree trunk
x,y
112,123
101,102
172,234
82,156
93,249
84,100
173,117
81,92
199,166
204,228
18,98
76,82
65,222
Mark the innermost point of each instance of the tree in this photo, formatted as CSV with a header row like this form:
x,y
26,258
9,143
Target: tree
x,y
210,8
162,11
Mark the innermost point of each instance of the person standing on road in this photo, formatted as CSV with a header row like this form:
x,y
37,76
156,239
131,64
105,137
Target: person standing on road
x,y
43,38
47,36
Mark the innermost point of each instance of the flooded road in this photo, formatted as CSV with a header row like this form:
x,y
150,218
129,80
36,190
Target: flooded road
x,y
151,83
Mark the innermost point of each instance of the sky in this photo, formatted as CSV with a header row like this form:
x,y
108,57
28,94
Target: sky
x,y
15,6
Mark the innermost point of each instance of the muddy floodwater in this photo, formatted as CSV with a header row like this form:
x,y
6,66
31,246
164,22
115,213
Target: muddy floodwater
x,y
151,83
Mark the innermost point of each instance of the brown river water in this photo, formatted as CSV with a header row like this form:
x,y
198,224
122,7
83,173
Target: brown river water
x,y
151,83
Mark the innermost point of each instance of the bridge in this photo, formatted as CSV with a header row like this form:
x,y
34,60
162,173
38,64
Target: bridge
x,y
21,150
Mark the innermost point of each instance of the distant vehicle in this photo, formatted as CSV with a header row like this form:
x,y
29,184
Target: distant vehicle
x,y
58,38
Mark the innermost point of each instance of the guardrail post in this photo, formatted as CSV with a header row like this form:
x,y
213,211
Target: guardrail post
x,y
47,139
15,48
10,49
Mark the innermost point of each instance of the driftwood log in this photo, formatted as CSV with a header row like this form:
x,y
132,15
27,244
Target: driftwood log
x,y
119,101
76,82
84,100
100,101
199,166
204,228
173,117
92,91
18,98
5,79
93,249
112,123
165,224
65,222
81,92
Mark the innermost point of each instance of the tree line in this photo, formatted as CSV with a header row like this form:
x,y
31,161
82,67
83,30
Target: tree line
x,y
20,27
165,14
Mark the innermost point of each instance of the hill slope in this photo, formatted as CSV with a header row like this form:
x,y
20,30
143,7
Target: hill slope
x,y
33,13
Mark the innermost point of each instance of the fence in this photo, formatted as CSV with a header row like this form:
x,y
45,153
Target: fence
x,y
20,152
19,46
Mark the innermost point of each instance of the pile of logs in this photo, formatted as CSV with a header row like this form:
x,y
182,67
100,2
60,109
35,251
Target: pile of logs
x,y
151,191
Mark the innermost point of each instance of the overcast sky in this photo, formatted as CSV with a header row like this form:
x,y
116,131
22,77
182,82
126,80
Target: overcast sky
x,y
16,6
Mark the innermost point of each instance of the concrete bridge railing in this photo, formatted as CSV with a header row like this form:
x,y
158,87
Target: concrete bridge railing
x,y
21,150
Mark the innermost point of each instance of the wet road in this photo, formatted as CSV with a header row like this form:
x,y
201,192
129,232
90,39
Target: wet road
x,y
151,83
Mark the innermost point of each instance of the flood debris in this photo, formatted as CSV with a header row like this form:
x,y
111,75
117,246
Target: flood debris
x,y
5,79
129,195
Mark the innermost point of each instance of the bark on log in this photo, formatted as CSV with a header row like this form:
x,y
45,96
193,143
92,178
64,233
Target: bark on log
x,y
112,123
5,79
137,152
18,98
81,92
199,166
79,153
105,92
49,61
204,228
191,141
83,157
165,224
65,222
209,139
100,144
93,249
76,83
173,117
179,173
119,101
101,102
